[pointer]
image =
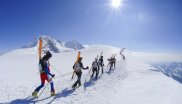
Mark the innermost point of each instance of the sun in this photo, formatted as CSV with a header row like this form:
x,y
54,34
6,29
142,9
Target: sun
x,y
116,6
116,3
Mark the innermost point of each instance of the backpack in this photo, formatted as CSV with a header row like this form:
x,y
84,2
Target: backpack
x,y
94,64
41,66
77,67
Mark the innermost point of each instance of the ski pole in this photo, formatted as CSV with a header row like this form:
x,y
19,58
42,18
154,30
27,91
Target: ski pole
x,y
63,75
108,64
44,88
56,69
73,74
90,70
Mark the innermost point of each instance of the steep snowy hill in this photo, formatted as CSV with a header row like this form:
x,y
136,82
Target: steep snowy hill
x,y
133,81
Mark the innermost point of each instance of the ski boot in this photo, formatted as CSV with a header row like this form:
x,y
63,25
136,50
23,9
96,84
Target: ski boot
x,y
35,94
73,87
53,93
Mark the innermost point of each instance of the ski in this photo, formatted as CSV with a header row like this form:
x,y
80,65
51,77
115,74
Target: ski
x,y
101,54
40,48
114,55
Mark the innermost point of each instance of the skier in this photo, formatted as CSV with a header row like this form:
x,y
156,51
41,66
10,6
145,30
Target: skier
x,y
45,74
114,62
101,64
110,63
121,53
77,67
95,67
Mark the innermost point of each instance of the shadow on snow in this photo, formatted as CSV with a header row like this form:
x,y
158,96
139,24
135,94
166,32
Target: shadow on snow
x,y
27,100
66,92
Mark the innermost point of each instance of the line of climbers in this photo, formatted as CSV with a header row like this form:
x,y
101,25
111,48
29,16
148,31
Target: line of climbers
x,y
46,75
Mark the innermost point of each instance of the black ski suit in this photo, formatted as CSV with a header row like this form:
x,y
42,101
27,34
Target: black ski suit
x,y
112,63
101,64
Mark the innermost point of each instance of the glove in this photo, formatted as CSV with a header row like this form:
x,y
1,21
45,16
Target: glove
x,y
87,67
53,75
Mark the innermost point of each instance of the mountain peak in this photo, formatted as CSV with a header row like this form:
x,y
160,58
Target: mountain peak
x,y
74,45
51,44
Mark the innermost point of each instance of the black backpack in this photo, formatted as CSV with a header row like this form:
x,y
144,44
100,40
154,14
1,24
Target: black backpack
x,y
41,65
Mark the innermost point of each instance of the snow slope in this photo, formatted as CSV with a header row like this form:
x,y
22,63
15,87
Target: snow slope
x,y
132,82
143,86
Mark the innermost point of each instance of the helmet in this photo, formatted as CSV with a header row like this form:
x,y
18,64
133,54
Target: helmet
x,y
48,54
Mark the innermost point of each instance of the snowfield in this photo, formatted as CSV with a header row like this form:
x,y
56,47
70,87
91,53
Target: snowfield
x,y
133,81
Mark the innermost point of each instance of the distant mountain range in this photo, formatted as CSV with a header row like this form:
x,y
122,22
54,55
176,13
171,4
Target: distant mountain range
x,y
54,45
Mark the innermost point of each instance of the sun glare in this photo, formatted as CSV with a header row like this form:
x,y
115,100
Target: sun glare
x,y
116,3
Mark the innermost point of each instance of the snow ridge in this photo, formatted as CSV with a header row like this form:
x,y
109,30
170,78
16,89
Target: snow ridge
x,y
131,82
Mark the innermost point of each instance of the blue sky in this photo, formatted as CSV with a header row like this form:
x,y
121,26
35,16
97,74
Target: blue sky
x,y
139,25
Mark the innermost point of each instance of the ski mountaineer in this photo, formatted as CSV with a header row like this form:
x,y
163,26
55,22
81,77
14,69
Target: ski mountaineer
x,y
112,62
101,64
121,53
95,67
45,74
77,67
